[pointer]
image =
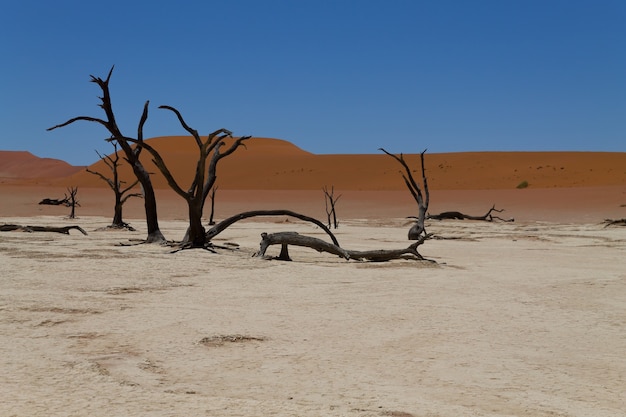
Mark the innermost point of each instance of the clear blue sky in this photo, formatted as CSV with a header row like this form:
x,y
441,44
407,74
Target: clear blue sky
x,y
330,76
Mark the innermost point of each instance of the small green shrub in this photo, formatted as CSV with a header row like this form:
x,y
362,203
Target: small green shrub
x,y
523,184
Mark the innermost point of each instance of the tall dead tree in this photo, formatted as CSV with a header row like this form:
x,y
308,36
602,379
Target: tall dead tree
x,y
210,153
121,194
422,199
330,200
131,153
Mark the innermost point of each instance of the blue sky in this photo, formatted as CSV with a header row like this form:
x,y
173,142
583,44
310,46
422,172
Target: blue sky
x,y
330,76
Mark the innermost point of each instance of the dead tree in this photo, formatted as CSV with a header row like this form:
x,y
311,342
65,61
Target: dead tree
x,y
457,215
295,239
121,194
205,174
422,199
72,202
330,201
131,153
65,229
212,197
611,222
54,201
67,201
224,224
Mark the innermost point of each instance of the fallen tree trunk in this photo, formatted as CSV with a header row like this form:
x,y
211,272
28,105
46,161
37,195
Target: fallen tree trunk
x,y
64,229
618,222
457,215
294,238
54,202
383,255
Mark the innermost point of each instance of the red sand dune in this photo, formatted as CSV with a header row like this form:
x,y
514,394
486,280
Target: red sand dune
x,y
272,173
25,165
272,164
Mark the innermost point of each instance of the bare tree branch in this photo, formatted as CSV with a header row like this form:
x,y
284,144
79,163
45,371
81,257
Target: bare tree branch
x,y
224,224
131,153
419,228
75,119
192,132
160,163
295,239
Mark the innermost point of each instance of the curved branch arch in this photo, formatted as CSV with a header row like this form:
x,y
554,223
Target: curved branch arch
x,y
224,224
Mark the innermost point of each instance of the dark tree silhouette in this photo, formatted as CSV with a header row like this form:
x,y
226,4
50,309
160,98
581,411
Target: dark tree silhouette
x,y
210,153
121,194
330,201
64,229
292,238
54,201
457,215
611,222
212,197
72,202
131,153
295,239
422,199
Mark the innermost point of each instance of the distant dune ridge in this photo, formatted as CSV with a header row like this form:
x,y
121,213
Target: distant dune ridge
x,y
272,173
25,165
274,164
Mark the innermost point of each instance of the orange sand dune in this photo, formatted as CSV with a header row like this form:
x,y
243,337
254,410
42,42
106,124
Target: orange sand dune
x,y
272,164
271,173
25,165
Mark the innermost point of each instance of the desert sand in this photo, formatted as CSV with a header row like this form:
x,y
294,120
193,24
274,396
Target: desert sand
x,y
512,319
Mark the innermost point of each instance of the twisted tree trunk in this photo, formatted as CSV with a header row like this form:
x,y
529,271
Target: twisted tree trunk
x,y
132,155
295,239
224,224
205,174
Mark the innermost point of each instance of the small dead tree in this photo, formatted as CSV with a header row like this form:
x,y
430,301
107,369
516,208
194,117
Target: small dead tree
x,y
330,201
132,153
210,153
72,202
422,199
212,197
67,201
121,194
